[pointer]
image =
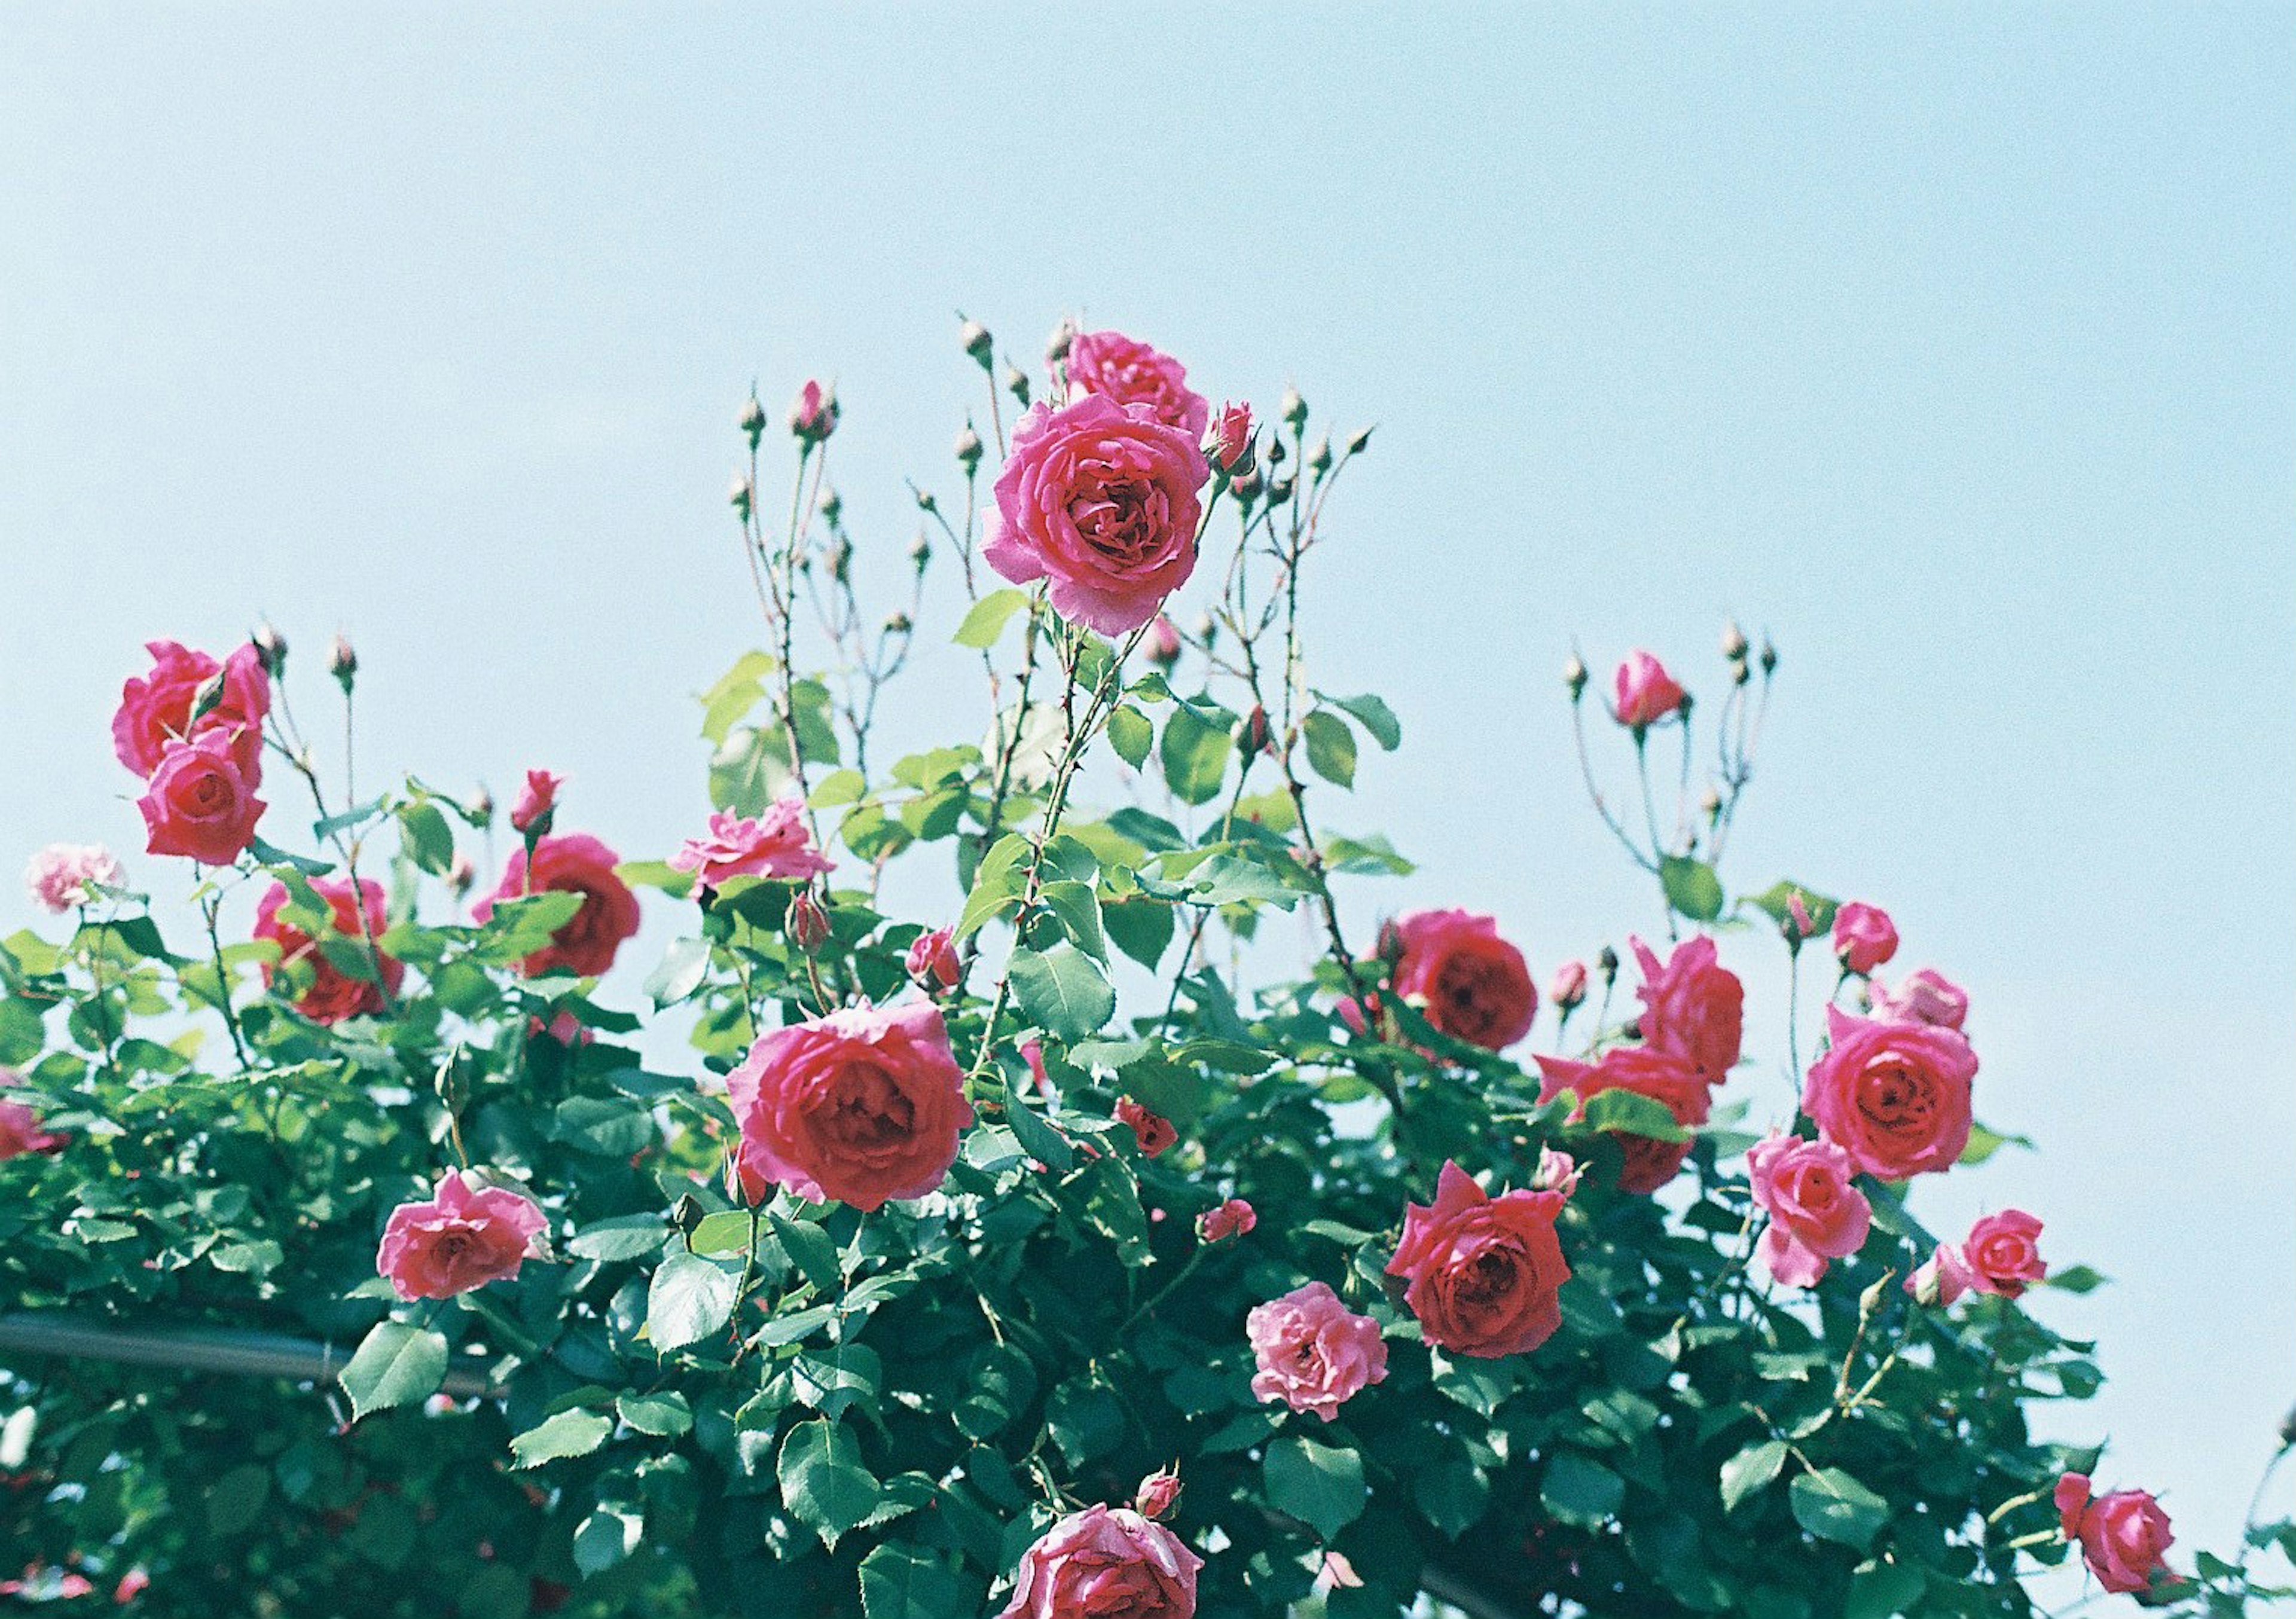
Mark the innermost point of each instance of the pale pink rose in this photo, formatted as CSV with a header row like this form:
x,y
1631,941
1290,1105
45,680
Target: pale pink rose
x,y
461,1238
1940,1279
1105,1563
1483,1274
2124,1537
1643,693
933,964
156,708
1158,1494
864,1105
1816,1213
1895,1095
773,845
1568,987
537,802
1315,1354
1153,1131
200,802
1472,984
59,875
1693,1007
1863,937
1102,500
1232,1218
1131,374
1924,996
2003,1255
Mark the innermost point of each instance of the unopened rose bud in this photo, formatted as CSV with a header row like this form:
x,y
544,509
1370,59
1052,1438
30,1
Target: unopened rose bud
x,y
1574,677
1016,383
1276,454
1163,643
1295,408
462,875
1360,442
1251,732
840,560
537,805
1227,444
1769,656
1207,629
1739,673
2288,1428
1319,459
1606,962
920,551
1734,640
1246,484
1712,803
831,505
1569,986
925,502
807,925
968,450
898,624
1056,347
1391,942
933,964
813,418
1799,925
753,420
1279,491
1157,1494
342,662
977,341
273,646
482,807
741,496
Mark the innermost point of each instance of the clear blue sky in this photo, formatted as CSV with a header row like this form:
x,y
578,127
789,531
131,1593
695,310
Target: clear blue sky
x,y
1957,344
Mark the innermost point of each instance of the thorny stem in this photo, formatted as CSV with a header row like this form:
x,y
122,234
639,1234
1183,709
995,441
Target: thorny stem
x,y
209,907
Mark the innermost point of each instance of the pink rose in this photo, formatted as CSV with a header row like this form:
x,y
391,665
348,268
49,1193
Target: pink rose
x,y
1660,1075
19,1126
933,964
1482,1271
538,801
1816,1213
572,862
59,875
1925,996
1153,1130
1693,1007
2002,1253
1158,1494
1863,937
1125,373
1568,987
156,708
1228,445
1105,1563
1102,498
333,995
1895,1095
200,803
459,1240
1644,692
2124,1537
1232,1218
1940,1279
774,844
1315,1354
1472,983
863,1105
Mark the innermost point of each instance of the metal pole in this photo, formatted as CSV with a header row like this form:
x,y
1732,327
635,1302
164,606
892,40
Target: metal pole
x,y
230,1350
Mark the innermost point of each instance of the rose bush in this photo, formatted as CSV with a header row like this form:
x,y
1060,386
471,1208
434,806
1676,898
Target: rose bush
x,y
846,1258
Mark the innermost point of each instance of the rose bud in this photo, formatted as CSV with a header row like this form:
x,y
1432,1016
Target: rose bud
x,y
831,504
1645,693
1319,460
1568,987
1153,1131
968,450
1228,445
1359,442
1863,937
1252,736
807,925
1016,383
1606,962
1163,643
934,965
538,803
482,807
1057,346
462,876
920,551
1246,484
1295,408
813,418
1232,1218
753,420
1733,642
273,645
342,662
1158,1493
1574,677
1769,656
977,341
740,494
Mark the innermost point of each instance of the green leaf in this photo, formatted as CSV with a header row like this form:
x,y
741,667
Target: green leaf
x,y
1374,715
425,835
1331,747
987,618
271,854
811,1249
1835,1507
655,874
1691,886
350,820
749,769
1884,1589
1580,1490
1062,990
1320,1484
683,968
839,788
825,1483
605,1538
665,1415
998,883
1131,734
904,1582
1983,1143
1750,1470
1774,901
624,1237
726,1231
1076,906
1037,1138
236,1499
575,1433
2076,1279
609,1128
1630,1113
689,1298
396,1364
1195,752
1141,929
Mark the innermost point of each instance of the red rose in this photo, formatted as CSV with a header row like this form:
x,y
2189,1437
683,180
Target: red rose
x,y
1482,1271
199,802
1472,983
156,708
574,863
1663,1078
1895,1095
1693,1007
333,995
1154,1131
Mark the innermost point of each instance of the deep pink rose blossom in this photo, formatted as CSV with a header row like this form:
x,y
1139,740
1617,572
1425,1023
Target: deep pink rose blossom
x,y
1693,1007
1105,1563
1863,937
2124,1537
773,845
1127,372
155,709
864,1105
1816,1213
1472,984
1102,500
1315,1354
2003,1255
1158,1494
200,803
1482,1273
1665,1078
461,1238
572,862
933,964
536,801
333,995
1895,1095
1232,1218
1228,445
59,875
1643,692
1923,996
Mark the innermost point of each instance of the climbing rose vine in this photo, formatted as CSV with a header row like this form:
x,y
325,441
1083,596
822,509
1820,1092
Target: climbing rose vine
x,y
1034,1174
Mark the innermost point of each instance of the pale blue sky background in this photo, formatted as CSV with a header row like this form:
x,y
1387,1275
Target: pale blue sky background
x,y
1955,344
